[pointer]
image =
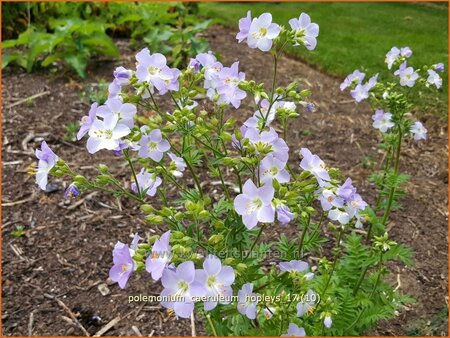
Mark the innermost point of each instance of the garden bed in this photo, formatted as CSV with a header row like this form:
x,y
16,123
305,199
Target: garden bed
x,y
66,250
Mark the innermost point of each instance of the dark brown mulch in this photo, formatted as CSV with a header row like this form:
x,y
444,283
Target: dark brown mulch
x,y
67,253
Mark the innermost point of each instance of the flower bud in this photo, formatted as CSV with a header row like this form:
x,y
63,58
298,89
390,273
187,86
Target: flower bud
x,y
154,219
176,235
147,208
103,169
230,261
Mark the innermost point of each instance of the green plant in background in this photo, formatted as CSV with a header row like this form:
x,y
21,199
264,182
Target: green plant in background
x,y
181,41
71,33
72,42
71,131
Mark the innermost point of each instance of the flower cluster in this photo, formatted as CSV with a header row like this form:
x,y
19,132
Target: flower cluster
x,y
260,32
209,259
406,76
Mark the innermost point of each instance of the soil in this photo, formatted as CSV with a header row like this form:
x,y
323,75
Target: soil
x,y
65,253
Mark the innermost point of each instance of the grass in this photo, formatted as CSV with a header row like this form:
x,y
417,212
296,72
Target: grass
x,y
358,35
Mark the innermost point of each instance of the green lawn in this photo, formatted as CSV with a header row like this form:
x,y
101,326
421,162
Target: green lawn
x,y
356,35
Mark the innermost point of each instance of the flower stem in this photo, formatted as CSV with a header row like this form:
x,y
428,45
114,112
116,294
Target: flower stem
x,y
208,318
127,157
255,241
396,166
305,229
338,245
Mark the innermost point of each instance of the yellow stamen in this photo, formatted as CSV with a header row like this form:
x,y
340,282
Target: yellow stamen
x,y
32,169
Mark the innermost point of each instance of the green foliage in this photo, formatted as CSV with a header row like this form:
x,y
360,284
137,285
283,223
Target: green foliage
x,y
71,131
71,33
72,42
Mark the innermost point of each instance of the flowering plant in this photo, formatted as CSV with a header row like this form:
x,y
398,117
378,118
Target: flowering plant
x,y
212,260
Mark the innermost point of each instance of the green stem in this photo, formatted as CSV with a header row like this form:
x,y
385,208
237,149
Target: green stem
x,y
127,157
371,293
305,229
338,245
396,166
208,318
255,241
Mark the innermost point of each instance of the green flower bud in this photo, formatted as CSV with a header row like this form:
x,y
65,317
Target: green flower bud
x,y
176,235
230,261
154,219
147,208
103,169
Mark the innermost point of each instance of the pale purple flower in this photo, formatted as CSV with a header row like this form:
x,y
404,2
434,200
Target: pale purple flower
x,y
407,75
328,200
122,145
392,56
315,166
160,256
361,91
338,215
306,32
106,133
284,215
439,67
280,149
307,303
294,331
434,78
396,53
47,160
148,183
346,191
195,64
354,205
211,67
419,131
180,289
153,145
232,95
122,76
228,80
114,90
125,111
255,204
71,191
180,164
382,121
153,69
123,266
262,31
327,322
294,266
310,107
246,306
171,84
217,280
272,168
354,78
244,27
87,120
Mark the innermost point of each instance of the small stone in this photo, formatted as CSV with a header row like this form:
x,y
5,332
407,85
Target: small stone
x,y
104,290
